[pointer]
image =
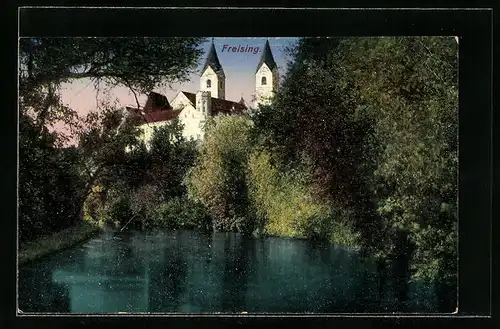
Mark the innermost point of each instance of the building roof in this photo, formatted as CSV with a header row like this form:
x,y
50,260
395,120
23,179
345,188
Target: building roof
x,y
212,60
156,109
153,116
156,102
267,58
219,106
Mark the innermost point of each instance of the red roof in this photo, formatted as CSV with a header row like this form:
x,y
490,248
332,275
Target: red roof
x,y
156,109
156,115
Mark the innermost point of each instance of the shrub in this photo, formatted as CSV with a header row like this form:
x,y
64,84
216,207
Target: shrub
x,y
117,208
93,206
182,213
143,202
284,205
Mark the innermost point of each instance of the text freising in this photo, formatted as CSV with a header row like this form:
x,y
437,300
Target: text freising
x,y
240,49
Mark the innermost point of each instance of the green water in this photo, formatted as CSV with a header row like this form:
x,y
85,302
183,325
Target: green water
x,y
185,271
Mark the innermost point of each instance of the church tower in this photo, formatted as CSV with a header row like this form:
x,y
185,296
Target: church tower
x,y
266,77
212,77
204,103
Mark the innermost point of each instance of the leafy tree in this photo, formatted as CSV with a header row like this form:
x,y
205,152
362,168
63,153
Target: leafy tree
x,y
141,63
171,156
49,182
103,147
377,124
412,91
317,127
218,178
45,63
181,212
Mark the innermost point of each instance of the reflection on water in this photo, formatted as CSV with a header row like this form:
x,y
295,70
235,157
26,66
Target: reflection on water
x,y
185,271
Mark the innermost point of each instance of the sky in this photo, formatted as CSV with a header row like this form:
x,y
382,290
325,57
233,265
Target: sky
x,y
239,68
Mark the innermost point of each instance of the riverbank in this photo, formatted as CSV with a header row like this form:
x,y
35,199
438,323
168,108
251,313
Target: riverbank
x,y
48,244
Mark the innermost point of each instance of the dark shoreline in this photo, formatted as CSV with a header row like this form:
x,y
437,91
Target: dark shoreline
x,y
57,241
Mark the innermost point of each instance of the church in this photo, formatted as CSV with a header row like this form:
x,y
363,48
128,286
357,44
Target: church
x,y
192,109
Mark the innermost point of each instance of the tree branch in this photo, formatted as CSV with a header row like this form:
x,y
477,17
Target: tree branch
x,y
136,100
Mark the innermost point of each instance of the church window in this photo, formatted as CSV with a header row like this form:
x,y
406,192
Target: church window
x,y
220,84
209,83
263,82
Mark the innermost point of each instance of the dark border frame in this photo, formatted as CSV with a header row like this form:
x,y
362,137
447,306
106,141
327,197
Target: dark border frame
x,y
474,26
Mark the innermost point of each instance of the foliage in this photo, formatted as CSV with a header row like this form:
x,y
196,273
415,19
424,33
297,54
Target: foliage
x,y
143,203
182,213
376,124
218,178
94,204
171,156
55,181
411,89
285,206
138,63
317,129
49,182
117,208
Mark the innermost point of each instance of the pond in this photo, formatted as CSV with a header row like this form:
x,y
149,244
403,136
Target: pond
x,y
186,271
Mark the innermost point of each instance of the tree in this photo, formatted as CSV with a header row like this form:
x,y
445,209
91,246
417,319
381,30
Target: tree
x,y
171,157
139,64
45,63
49,182
410,87
103,144
317,127
377,124
218,179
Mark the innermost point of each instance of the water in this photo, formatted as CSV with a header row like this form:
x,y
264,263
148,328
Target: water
x,y
185,271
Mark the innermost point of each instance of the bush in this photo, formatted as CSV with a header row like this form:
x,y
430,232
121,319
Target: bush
x,y
143,203
117,208
284,205
182,213
93,207
343,233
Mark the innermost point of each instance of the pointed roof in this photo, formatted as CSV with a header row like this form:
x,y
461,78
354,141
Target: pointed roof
x,y
212,59
156,102
219,106
267,58
143,117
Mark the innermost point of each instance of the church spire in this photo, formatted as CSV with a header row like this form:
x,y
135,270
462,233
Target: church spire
x,y
212,77
267,58
266,77
212,59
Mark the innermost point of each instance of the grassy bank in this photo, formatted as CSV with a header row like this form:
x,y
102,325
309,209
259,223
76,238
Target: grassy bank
x,y
57,241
